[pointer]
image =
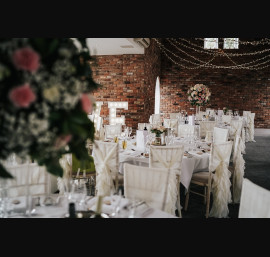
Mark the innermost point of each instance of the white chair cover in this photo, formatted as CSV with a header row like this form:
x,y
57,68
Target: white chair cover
x,y
234,130
254,202
149,185
206,126
141,126
250,127
220,135
29,179
98,122
101,134
106,160
226,118
148,126
174,115
210,112
169,157
243,140
245,113
113,130
155,119
200,115
239,167
219,162
243,135
173,124
185,130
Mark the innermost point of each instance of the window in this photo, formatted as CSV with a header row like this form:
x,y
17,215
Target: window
x,y
228,43
231,43
211,43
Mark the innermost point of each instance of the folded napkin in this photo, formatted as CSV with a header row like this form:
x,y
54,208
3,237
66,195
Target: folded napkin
x,y
107,206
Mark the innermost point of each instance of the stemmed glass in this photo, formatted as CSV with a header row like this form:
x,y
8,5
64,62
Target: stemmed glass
x,y
48,198
129,131
116,201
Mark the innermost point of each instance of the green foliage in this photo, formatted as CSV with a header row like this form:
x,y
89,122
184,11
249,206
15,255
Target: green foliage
x,y
64,121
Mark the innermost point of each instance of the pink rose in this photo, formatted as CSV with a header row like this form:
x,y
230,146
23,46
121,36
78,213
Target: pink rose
x,y
22,96
86,103
62,141
26,59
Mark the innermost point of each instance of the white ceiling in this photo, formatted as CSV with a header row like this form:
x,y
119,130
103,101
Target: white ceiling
x,y
113,46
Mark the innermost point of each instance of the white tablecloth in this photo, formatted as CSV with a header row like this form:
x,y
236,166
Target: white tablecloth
x,y
60,211
142,211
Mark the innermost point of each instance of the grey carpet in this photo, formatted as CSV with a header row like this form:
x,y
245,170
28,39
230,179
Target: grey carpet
x,y
257,169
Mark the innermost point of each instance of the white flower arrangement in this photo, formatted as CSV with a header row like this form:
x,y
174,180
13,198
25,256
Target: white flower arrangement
x,y
199,95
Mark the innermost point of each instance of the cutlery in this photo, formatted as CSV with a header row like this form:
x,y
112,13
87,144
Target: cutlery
x,y
138,204
147,212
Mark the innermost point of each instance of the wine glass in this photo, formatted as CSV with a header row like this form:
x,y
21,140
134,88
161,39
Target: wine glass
x,y
129,131
116,198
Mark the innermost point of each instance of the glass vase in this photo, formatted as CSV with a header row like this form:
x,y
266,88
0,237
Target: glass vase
x,y
157,139
198,109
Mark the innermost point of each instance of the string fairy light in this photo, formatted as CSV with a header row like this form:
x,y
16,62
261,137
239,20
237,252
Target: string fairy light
x,y
257,64
209,51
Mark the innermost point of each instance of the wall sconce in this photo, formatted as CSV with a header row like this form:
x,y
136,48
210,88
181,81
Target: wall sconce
x,y
112,107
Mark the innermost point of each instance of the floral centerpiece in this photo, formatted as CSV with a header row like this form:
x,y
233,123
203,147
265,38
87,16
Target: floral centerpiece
x,y
45,86
158,130
199,95
225,110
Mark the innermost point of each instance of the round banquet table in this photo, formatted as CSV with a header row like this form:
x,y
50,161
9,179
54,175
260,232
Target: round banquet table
x,y
195,163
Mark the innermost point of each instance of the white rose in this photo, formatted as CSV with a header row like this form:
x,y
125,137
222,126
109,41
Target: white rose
x,y
51,94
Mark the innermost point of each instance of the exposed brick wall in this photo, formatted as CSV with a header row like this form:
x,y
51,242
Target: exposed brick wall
x,y
130,78
237,89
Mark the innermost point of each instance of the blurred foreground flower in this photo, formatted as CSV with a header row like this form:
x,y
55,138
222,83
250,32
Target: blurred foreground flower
x,y
44,103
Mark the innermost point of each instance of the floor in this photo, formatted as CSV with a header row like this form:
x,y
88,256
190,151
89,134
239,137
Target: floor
x,y
257,169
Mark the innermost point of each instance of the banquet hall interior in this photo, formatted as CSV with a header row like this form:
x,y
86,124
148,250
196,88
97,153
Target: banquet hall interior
x,y
135,128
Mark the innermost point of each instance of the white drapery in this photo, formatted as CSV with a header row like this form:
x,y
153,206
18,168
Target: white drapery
x,y
157,97
106,159
219,162
169,157
239,167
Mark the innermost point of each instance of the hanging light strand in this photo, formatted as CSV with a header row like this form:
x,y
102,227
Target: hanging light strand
x,y
165,51
208,64
210,51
